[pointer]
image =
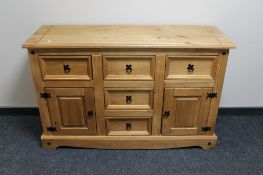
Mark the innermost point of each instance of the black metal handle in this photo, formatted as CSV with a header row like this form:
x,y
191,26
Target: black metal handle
x,y
90,114
190,68
128,99
128,126
66,68
166,114
211,95
128,68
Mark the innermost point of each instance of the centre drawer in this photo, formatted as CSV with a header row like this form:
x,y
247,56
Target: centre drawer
x,y
128,98
66,67
128,126
133,67
191,67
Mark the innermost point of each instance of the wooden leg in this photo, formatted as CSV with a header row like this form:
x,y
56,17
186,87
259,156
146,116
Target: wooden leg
x,y
49,145
209,145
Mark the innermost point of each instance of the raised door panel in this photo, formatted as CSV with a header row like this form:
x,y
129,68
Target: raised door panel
x,y
185,111
72,110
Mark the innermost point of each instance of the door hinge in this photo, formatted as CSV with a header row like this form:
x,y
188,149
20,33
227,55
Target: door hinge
x,y
45,95
52,129
205,129
211,95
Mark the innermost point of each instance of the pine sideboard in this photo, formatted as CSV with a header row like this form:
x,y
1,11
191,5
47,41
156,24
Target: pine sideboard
x,y
128,87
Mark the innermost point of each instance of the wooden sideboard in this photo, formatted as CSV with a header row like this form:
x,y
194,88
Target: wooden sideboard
x,y
128,87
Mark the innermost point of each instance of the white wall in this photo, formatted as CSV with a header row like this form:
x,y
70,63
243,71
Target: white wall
x,y
241,20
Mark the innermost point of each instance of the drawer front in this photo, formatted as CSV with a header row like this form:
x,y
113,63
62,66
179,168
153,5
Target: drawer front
x,y
128,67
66,67
128,126
124,98
191,67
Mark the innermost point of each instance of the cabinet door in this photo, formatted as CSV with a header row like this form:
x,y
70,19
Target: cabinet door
x,y
185,111
72,110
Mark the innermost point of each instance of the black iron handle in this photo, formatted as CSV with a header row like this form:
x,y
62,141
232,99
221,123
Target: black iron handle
x,y
66,68
190,68
166,114
128,99
128,68
128,126
90,114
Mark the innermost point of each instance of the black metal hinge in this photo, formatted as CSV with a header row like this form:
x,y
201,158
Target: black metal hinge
x,y
205,129
45,95
211,95
52,129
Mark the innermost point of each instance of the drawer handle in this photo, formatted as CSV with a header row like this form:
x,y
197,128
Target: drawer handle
x,y
128,68
66,68
190,68
90,114
128,99
128,126
166,114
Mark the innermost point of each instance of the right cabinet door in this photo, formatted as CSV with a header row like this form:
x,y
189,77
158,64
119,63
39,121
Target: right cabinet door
x,y
185,111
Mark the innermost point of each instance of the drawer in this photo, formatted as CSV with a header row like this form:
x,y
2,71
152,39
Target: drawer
x,y
66,67
191,67
128,126
125,98
128,67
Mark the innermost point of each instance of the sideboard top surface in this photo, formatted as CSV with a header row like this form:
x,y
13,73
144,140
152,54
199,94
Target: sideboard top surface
x,y
128,36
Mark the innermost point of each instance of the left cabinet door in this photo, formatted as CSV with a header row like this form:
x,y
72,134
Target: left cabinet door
x,y
72,111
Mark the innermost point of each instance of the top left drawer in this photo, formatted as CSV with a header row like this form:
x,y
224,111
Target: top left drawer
x,y
66,67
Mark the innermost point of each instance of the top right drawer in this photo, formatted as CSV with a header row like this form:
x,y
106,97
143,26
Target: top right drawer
x,y
191,67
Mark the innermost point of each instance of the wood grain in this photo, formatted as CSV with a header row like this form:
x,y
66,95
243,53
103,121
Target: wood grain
x,y
140,98
98,93
190,83
129,113
37,36
39,88
138,126
158,94
68,109
62,83
129,84
130,142
220,75
53,67
189,110
58,114
141,67
124,36
203,67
